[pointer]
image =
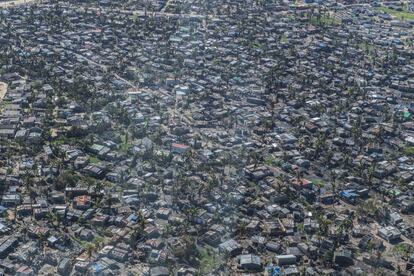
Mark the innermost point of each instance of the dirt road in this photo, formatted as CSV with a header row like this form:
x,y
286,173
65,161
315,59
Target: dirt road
x,y
6,4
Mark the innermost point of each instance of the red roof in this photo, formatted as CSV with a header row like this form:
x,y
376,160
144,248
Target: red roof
x,y
301,182
181,146
83,199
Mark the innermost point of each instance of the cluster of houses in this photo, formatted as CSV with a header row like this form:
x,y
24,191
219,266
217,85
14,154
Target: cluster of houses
x,y
233,137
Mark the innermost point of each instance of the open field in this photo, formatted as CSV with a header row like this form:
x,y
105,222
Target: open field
x,y
402,15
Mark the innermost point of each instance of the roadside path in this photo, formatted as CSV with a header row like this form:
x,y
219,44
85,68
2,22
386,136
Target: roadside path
x,y
6,4
105,68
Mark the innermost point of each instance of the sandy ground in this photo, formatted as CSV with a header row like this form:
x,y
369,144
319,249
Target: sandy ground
x,y
3,90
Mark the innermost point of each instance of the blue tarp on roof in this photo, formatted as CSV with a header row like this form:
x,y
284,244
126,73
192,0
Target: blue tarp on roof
x,y
2,209
132,218
97,267
348,194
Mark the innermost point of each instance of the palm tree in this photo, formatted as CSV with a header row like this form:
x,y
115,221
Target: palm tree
x,y
190,213
281,180
334,186
324,225
241,228
167,230
371,173
90,248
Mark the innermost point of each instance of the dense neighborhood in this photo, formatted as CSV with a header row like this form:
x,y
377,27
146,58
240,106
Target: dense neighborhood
x,y
207,137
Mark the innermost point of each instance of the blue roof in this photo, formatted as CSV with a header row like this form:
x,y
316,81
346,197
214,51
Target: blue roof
x,y
348,194
97,267
274,270
132,217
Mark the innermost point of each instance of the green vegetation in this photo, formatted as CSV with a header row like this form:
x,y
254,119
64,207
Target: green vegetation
x,y
324,20
37,85
403,249
409,151
318,182
67,178
94,160
89,247
126,144
61,140
301,227
5,102
58,142
125,147
402,15
257,45
272,161
208,261
98,240
367,47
